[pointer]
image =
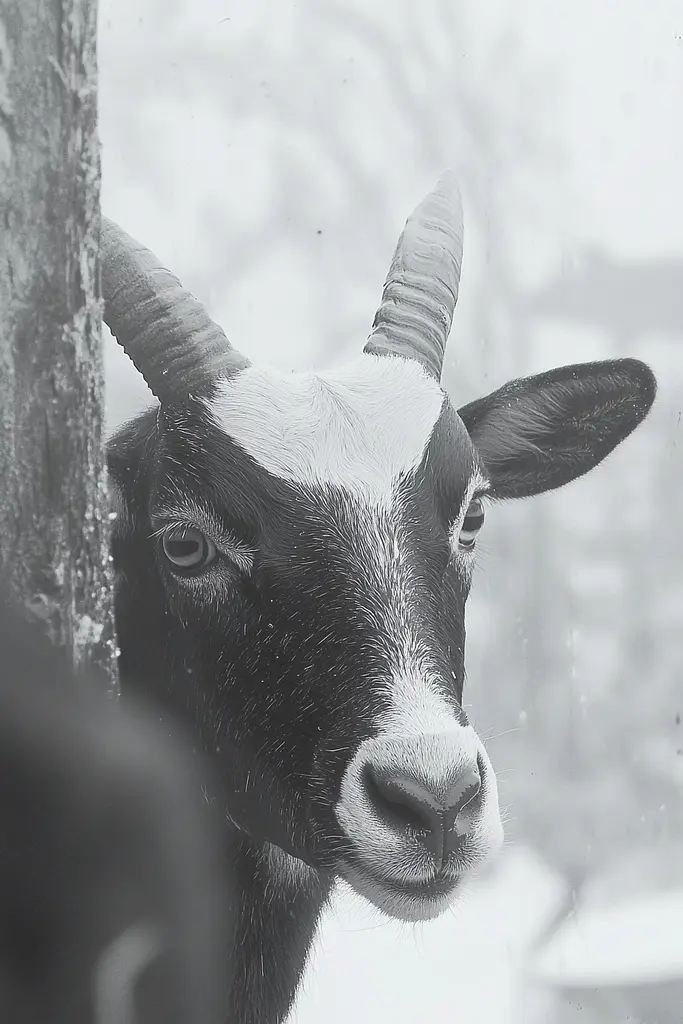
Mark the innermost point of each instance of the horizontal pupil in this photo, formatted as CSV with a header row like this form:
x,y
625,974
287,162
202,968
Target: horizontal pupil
x,y
182,548
472,522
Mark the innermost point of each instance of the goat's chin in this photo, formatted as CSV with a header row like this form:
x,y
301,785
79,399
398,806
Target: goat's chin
x,y
404,902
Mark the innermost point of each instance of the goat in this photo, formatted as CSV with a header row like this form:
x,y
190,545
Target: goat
x,y
109,869
293,555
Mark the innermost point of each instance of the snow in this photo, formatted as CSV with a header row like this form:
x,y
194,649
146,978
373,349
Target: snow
x,y
637,942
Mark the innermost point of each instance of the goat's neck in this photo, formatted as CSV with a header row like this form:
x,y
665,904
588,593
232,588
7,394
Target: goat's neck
x,y
280,902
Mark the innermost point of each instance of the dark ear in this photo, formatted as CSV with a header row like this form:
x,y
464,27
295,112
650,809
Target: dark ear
x,y
130,454
538,433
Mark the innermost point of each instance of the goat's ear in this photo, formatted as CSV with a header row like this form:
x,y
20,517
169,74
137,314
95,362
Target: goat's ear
x,y
130,455
538,433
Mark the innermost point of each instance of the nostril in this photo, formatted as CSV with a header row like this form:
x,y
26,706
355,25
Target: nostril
x,y
403,800
465,790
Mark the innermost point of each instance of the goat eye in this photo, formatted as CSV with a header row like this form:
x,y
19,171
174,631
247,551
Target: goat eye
x,y
188,548
472,524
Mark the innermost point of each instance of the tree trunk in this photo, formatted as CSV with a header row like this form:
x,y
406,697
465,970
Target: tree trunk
x,y
53,507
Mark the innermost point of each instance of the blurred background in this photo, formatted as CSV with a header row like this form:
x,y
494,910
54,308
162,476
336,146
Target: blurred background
x,y
269,151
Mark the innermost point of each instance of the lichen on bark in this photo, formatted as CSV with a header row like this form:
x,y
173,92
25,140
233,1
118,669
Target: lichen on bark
x,y
53,506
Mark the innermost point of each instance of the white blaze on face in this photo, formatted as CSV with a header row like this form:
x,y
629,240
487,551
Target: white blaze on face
x,y
360,427
419,735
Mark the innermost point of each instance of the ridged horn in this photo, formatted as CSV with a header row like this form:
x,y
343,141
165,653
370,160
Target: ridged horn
x,y
421,289
161,326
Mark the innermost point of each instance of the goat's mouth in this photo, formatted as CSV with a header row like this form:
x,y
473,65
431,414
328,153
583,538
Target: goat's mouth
x,y
404,900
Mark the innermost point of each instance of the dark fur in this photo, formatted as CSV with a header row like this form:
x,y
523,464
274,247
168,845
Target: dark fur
x,y
100,832
274,674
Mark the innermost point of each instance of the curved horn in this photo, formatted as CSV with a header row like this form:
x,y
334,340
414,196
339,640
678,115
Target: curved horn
x,y
421,289
166,332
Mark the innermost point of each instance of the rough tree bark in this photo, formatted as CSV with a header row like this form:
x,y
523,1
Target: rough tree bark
x,y
53,509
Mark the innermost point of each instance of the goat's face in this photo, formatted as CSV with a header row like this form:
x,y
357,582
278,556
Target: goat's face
x,y
330,522
297,551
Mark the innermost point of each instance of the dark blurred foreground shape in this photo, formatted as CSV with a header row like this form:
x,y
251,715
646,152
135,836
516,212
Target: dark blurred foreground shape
x,y
113,900
112,892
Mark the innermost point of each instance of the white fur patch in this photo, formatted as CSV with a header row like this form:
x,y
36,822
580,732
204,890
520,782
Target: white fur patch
x,y
287,873
118,509
359,427
417,706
